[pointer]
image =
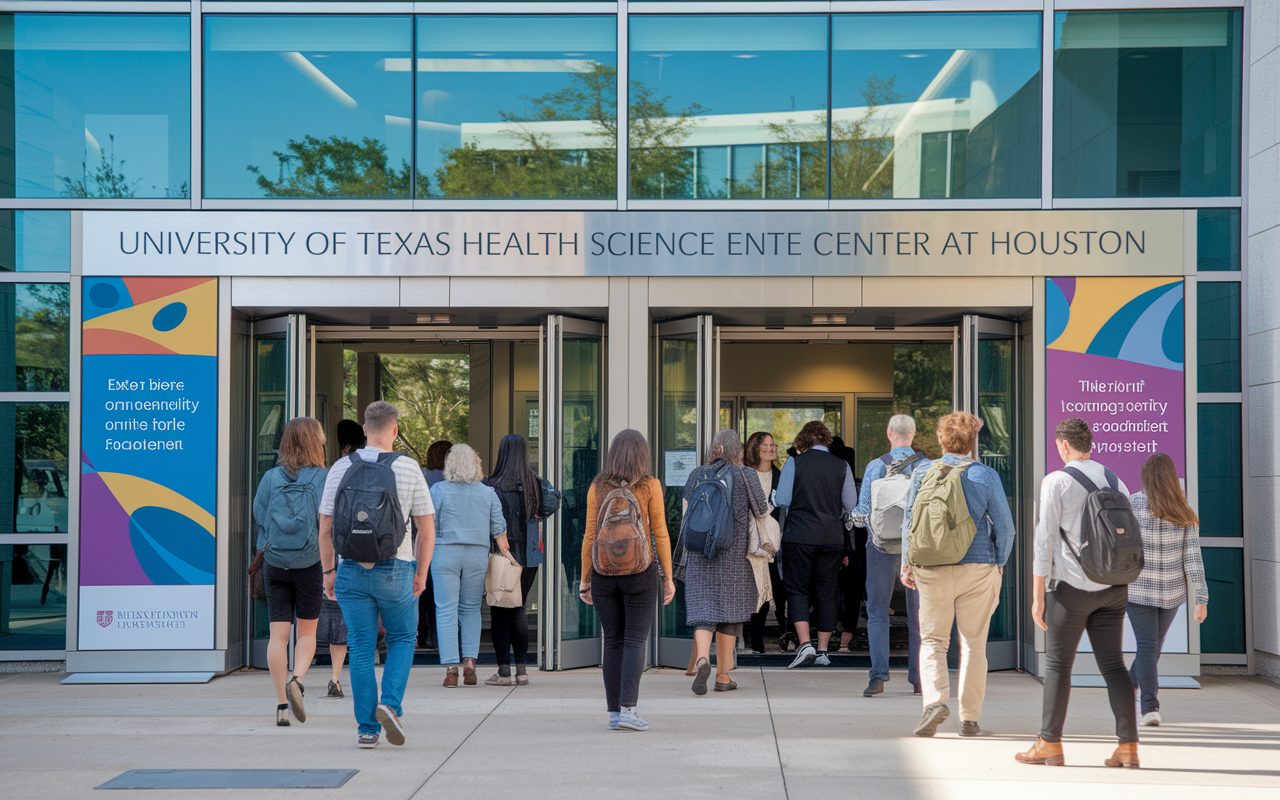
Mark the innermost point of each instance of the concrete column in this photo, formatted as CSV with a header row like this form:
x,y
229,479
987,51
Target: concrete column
x,y
628,357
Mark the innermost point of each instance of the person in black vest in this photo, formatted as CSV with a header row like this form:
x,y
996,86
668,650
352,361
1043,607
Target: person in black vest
x,y
818,490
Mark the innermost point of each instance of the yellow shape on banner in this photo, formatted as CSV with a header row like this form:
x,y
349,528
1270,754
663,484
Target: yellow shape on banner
x,y
1095,302
196,335
134,493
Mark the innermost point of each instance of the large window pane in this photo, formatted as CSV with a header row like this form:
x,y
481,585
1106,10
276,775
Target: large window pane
x,y
303,106
35,241
34,330
1146,103
517,107
1218,240
1218,337
745,96
1221,486
1224,572
33,597
101,105
935,105
33,468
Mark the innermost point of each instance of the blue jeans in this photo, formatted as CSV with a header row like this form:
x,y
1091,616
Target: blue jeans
x,y
883,570
385,590
457,573
1150,624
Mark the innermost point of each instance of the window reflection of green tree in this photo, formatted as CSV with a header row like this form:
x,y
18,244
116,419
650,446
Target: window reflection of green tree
x,y
108,179
433,394
41,346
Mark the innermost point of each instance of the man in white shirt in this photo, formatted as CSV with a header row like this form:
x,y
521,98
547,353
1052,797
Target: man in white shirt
x,y
386,589
1065,603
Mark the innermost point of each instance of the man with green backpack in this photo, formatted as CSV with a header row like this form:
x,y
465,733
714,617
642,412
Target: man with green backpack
x,y
958,534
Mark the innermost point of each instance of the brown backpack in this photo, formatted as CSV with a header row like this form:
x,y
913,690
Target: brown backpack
x,y
622,545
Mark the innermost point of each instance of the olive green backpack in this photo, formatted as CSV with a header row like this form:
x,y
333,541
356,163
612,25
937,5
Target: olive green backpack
x,y
941,528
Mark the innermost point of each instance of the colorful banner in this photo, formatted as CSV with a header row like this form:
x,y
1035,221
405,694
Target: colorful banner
x,y
1115,359
149,480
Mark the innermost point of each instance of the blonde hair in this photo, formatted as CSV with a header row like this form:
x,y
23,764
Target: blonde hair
x,y
301,444
958,431
462,465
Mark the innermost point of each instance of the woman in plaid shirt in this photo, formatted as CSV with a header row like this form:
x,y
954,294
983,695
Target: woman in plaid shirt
x,y
1171,550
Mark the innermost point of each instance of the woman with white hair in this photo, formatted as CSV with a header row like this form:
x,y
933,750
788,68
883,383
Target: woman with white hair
x,y
720,593
468,514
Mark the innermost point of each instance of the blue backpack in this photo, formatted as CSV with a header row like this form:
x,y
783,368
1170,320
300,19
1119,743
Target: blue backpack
x,y
707,526
292,526
368,524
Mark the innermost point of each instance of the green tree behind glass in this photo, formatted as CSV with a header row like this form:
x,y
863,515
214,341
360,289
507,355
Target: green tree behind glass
x,y
433,394
336,167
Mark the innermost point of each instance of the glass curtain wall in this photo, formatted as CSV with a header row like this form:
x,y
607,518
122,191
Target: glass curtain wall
x,y
1147,103
521,107
35,241
99,105
935,105
308,106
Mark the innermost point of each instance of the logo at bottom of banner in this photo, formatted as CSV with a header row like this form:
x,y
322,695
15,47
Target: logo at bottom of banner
x,y
146,617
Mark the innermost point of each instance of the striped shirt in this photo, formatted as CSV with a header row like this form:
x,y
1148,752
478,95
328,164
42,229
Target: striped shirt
x,y
1171,560
411,488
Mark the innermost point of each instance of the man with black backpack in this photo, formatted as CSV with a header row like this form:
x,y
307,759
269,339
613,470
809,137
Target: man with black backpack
x,y
369,499
1084,560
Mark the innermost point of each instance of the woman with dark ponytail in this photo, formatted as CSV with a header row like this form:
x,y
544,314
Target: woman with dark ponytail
x,y
520,492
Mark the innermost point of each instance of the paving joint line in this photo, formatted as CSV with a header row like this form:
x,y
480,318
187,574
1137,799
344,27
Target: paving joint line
x,y
776,746
461,743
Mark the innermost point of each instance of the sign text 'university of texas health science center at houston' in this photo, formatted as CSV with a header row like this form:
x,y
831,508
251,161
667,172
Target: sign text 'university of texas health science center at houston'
x,y
705,243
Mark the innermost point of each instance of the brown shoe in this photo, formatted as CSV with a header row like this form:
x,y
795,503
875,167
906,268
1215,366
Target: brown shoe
x,y
451,678
1042,752
1126,755
469,672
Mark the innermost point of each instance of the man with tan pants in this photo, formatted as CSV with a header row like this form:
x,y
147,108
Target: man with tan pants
x,y
966,592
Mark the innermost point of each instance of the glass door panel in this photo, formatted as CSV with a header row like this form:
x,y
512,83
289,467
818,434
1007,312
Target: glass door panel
x,y
785,418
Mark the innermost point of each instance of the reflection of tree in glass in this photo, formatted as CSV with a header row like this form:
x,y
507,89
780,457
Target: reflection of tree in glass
x,y
105,180
433,394
337,167
922,387
42,329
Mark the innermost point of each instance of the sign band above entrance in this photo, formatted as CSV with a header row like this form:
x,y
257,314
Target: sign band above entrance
x,y
602,243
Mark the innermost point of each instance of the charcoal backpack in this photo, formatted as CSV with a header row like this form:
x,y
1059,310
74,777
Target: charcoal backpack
x,y
293,523
1110,540
550,495
707,526
621,546
368,524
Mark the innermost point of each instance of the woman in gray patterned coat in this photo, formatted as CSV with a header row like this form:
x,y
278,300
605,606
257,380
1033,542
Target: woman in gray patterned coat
x,y
720,594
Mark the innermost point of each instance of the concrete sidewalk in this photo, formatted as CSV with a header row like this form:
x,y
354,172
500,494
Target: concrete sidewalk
x,y
804,734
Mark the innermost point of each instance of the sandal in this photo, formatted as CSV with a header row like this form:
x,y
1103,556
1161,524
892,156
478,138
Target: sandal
x,y
522,680
498,679
451,678
282,715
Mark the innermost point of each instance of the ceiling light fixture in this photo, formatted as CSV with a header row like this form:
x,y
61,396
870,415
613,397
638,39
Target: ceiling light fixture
x,y
915,55
435,319
745,55
828,319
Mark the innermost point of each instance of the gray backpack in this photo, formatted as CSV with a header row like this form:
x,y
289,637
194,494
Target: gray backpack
x,y
368,524
889,501
292,526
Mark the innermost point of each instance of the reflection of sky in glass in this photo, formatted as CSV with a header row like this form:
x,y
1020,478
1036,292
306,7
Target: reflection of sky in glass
x,y
35,241
473,69
733,65
87,83
269,80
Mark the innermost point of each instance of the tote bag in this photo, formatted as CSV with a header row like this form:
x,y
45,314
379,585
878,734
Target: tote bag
x,y
502,583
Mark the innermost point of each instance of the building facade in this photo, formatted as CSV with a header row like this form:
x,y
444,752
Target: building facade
x,y
562,220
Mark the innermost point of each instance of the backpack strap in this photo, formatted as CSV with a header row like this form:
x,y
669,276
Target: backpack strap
x,y
1113,480
901,465
386,458
887,459
1083,480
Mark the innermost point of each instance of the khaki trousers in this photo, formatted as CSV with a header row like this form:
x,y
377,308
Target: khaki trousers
x,y
967,594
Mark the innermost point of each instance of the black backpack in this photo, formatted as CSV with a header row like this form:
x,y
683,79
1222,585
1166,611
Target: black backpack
x,y
550,498
368,524
707,526
1110,539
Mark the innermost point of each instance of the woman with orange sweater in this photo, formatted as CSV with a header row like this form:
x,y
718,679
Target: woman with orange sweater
x,y
624,602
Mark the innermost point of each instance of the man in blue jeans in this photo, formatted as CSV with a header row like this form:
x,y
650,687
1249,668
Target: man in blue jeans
x,y
388,588
883,564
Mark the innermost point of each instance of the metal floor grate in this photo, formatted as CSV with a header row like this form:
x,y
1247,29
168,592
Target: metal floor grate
x,y
230,779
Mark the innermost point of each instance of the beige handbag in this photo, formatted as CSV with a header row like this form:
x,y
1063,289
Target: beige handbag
x,y
502,583
766,537
764,586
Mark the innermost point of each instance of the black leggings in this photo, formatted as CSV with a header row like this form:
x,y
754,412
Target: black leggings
x,y
510,626
625,605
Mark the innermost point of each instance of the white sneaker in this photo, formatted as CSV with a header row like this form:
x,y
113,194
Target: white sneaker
x,y
823,660
805,656
1151,719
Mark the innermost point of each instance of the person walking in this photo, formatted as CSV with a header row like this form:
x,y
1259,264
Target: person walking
x,y
286,515
720,593
884,560
433,473
1171,566
818,491
332,629
380,575
520,494
1065,603
468,519
624,602
759,453
967,592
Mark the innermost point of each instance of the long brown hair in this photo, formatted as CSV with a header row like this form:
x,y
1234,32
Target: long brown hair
x,y
301,444
1164,494
628,460
751,450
